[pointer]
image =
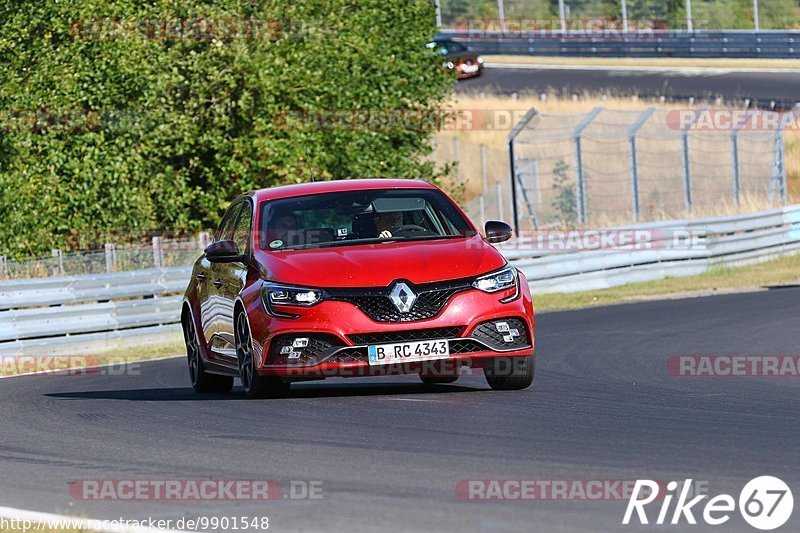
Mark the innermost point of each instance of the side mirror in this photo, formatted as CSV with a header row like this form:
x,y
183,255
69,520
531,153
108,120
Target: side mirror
x,y
223,252
497,231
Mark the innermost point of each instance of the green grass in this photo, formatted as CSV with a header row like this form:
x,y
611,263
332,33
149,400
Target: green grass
x,y
782,271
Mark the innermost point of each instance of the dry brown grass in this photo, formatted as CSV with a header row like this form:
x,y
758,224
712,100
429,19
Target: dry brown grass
x,y
712,159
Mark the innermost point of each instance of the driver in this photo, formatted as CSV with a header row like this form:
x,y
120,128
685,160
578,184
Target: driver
x,y
385,222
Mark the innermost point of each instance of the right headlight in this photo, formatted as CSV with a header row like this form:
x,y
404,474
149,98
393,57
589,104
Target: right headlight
x,y
278,294
499,280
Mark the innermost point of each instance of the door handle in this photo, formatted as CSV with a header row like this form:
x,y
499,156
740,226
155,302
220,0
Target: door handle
x,y
200,277
218,283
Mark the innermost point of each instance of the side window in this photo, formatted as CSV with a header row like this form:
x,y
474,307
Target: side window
x,y
241,234
225,230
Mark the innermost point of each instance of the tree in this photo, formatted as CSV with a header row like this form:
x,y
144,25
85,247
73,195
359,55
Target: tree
x,y
129,116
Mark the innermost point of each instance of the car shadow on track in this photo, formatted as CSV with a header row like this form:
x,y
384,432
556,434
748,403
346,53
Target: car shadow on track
x,y
338,390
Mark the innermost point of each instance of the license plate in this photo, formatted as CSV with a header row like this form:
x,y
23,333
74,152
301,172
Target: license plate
x,y
404,352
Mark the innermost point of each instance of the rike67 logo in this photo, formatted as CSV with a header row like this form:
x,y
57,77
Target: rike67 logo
x,y
766,503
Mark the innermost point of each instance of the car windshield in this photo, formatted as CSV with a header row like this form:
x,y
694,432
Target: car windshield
x,y
359,217
446,47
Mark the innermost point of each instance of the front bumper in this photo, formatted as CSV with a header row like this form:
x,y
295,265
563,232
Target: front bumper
x,y
339,334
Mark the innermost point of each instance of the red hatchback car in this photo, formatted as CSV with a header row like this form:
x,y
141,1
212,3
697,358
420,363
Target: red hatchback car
x,y
354,278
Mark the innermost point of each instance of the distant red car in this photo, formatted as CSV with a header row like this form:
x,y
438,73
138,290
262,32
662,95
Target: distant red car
x,y
354,278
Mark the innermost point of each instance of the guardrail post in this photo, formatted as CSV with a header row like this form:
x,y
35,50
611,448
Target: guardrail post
x,y
158,252
581,178
634,129
59,255
111,257
484,170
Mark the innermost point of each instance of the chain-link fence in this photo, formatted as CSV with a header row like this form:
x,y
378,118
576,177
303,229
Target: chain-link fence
x,y
654,14
112,258
609,167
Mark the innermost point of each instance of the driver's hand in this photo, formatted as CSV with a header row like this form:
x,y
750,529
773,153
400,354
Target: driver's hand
x,y
385,234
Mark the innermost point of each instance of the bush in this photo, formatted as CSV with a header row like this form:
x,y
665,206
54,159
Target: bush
x,y
139,124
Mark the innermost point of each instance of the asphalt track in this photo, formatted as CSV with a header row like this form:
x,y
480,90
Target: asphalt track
x,y
390,452
676,84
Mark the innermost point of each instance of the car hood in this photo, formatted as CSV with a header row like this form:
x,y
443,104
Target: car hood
x,y
378,265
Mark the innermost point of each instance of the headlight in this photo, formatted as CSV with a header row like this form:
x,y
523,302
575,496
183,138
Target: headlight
x,y
276,294
450,65
505,278
480,60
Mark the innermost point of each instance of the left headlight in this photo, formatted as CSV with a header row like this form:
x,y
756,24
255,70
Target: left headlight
x,y
499,280
277,294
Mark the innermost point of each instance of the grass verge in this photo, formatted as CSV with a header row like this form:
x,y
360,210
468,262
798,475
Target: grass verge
x,y
782,271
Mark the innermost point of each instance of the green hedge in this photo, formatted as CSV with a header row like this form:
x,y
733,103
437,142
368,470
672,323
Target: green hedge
x,y
116,115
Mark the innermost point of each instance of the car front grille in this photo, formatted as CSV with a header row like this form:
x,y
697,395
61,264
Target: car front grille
x,y
406,336
377,304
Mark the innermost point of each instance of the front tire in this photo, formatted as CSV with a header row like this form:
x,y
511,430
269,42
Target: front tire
x,y
510,373
201,380
255,386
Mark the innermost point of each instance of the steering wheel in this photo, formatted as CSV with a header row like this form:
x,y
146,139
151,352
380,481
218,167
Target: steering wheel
x,y
407,229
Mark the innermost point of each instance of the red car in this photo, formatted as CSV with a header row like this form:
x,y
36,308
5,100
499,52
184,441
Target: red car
x,y
365,277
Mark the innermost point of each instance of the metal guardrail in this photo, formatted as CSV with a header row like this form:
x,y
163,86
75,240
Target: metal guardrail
x,y
651,43
717,242
84,311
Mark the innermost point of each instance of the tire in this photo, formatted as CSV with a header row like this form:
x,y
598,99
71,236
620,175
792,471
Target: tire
x,y
201,380
510,373
255,386
438,380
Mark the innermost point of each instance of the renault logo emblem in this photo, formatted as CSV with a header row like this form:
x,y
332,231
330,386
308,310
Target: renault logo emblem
x,y
403,297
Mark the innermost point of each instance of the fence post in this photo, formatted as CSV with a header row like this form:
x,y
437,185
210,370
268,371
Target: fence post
x,y
581,179
634,129
59,270
537,185
526,199
778,176
484,170
512,182
499,195
203,240
482,208
111,257
687,173
457,158
158,252
735,157
3,265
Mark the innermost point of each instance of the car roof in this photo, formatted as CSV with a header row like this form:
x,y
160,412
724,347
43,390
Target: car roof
x,y
302,189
